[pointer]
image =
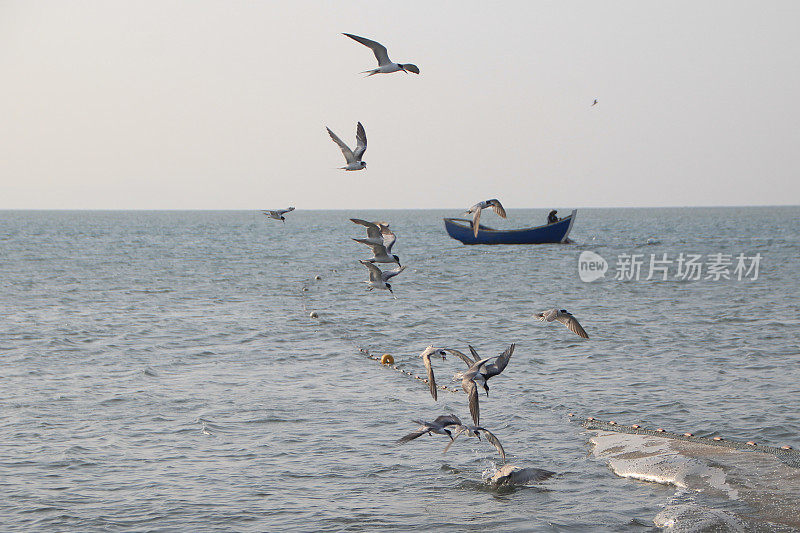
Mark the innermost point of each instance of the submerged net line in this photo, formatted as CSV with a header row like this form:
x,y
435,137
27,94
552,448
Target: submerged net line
x,y
345,334
785,454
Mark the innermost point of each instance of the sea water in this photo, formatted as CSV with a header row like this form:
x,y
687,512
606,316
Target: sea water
x,y
160,371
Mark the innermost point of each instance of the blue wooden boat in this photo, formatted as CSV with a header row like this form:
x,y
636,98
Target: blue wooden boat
x,y
557,232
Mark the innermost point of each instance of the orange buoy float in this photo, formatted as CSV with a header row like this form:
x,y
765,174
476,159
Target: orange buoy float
x,y
387,359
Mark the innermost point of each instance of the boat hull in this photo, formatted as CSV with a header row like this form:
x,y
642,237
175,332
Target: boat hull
x,y
461,230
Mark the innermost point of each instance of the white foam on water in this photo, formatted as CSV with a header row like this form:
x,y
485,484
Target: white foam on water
x,y
752,482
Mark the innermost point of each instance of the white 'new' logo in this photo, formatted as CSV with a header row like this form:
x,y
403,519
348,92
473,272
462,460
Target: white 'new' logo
x,y
591,266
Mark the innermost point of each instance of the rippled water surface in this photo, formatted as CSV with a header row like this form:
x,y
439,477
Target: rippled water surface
x,y
160,371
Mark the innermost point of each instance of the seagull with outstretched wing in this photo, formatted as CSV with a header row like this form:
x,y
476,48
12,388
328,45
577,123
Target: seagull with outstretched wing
x,y
565,317
353,157
476,209
278,215
385,65
475,431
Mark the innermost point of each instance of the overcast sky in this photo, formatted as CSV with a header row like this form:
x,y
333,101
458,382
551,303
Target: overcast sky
x,y
223,105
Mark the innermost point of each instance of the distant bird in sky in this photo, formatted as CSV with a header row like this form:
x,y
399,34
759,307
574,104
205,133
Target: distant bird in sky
x,y
475,431
426,359
379,279
594,103
353,157
476,209
278,215
565,317
488,370
385,65
440,426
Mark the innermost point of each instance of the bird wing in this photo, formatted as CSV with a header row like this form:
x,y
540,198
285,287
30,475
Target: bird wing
x,y
474,354
389,239
476,220
497,207
572,323
461,356
475,368
348,153
413,435
426,358
495,441
500,363
389,274
375,273
272,214
377,248
373,230
361,142
381,54
471,389
284,211
448,420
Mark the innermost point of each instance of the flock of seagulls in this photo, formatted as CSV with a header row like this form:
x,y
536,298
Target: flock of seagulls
x,y
381,240
477,375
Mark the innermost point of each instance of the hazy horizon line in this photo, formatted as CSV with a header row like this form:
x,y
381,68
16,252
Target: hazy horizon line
x,y
396,208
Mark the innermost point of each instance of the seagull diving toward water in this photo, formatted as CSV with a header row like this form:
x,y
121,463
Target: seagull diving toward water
x,y
486,371
439,426
469,382
278,215
426,358
476,209
379,279
475,431
565,318
353,157
385,65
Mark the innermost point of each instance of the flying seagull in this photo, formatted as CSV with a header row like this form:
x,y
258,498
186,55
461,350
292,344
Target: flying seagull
x,y
594,103
469,382
476,209
379,279
488,370
426,358
352,157
475,431
439,426
380,253
565,317
377,232
278,215
385,65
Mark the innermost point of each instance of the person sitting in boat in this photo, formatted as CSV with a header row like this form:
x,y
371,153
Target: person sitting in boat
x,y
551,218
